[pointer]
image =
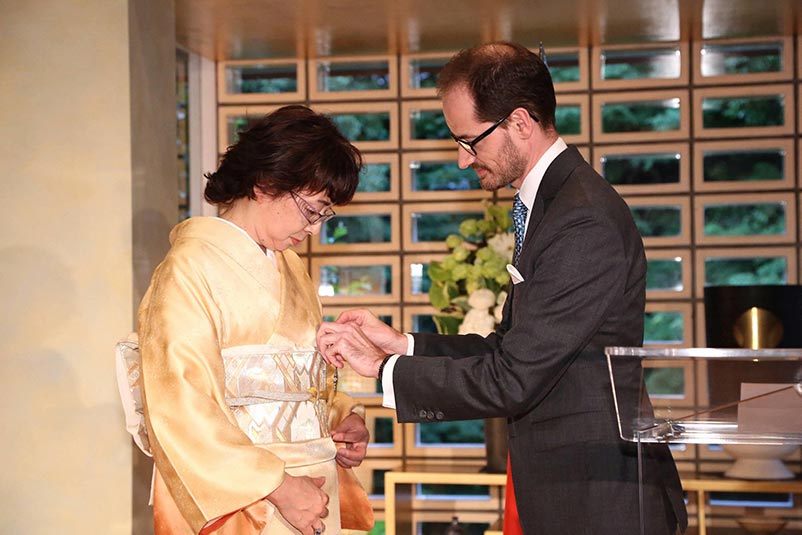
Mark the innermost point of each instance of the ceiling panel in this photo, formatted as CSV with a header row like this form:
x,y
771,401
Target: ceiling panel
x,y
248,29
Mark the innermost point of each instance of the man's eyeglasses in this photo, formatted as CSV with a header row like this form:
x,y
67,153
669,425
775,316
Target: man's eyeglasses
x,y
311,215
469,145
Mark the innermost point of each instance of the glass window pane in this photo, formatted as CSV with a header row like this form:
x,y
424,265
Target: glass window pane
x,y
424,72
744,219
355,280
363,126
741,58
378,487
258,78
743,112
658,221
744,271
419,279
664,274
353,76
442,433
564,67
234,125
634,169
423,323
663,328
744,165
429,124
665,382
568,119
375,177
643,116
382,432
373,228
659,63
445,175
436,226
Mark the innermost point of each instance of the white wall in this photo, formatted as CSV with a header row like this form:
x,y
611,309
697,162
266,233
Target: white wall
x,y
66,256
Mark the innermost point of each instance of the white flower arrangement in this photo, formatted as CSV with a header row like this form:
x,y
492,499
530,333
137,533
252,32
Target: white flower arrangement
x,y
468,286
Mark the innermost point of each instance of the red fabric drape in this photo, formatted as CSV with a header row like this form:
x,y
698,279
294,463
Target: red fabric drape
x,y
512,526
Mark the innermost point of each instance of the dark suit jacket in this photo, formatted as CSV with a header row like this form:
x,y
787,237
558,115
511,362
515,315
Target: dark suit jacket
x,y
584,273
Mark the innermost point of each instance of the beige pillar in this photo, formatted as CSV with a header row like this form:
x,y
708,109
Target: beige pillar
x,y
78,176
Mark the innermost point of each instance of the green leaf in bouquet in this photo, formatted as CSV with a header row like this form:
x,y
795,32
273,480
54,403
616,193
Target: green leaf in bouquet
x,y
469,228
437,273
447,324
460,272
438,296
453,241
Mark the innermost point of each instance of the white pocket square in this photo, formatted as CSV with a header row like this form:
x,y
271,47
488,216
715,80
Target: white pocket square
x,y
515,275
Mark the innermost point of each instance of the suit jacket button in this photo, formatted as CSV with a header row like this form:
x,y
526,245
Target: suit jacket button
x,y
422,414
430,415
439,415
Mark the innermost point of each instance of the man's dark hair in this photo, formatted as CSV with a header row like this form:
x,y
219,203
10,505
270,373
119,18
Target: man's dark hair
x,y
502,76
290,150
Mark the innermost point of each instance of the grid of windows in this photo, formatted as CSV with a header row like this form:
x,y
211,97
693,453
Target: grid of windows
x,y
700,139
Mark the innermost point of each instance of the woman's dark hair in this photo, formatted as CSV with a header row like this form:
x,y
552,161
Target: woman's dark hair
x,y
500,77
292,149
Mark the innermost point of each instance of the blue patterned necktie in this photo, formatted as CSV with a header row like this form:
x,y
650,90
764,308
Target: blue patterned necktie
x,y
519,211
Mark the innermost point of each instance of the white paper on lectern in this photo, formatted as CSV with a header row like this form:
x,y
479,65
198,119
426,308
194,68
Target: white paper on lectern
x,y
775,413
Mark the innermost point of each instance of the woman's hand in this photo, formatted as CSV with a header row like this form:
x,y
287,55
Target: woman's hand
x,y
301,502
355,435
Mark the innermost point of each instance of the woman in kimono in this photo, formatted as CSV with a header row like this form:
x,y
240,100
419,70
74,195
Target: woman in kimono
x,y
241,411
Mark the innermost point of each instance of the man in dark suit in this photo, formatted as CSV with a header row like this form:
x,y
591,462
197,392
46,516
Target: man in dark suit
x,y
578,286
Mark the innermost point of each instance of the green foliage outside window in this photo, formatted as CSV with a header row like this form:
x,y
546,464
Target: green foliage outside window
x,y
357,280
357,229
438,226
460,432
632,65
664,274
744,271
664,382
743,112
741,59
745,220
634,169
640,117
429,124
425,72
567,119
744,165
363,126
374,177
563,67
356,77
271,84
443,176
657,221
663,328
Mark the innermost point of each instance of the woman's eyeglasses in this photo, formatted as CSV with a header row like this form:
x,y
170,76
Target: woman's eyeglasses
x,y
311,215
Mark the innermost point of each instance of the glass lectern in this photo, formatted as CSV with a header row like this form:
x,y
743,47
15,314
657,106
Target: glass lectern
x,y
741,397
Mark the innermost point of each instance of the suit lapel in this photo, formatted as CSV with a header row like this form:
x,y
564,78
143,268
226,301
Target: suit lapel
x,y
552,182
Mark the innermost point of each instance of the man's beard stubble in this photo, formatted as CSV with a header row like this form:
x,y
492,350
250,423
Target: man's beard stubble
x,y
512,166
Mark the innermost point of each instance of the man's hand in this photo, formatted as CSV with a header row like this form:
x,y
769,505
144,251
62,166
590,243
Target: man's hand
x,y
355,435
389,340
345,342
301,502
